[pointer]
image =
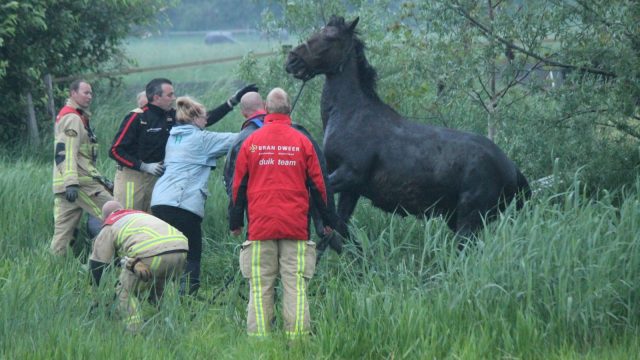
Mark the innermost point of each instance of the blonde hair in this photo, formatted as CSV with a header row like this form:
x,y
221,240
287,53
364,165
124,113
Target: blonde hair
x,y
188,109
278,102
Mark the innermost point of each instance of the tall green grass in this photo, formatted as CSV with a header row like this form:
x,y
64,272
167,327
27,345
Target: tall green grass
x,y
557,279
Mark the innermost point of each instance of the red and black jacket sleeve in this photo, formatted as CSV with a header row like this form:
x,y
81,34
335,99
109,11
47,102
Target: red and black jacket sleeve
x,y
124,148
238,198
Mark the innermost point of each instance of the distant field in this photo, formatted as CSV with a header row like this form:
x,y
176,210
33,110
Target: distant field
x,y
211,84
161,50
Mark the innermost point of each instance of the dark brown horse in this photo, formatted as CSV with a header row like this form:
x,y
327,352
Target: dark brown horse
x,y
399,165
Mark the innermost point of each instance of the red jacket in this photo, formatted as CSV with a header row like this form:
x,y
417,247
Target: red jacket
x,y
277,170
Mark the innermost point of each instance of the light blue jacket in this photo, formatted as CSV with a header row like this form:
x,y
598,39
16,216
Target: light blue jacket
x,y
191,153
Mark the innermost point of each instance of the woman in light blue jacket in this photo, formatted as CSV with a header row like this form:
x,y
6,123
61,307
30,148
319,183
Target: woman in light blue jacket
x,y
180,193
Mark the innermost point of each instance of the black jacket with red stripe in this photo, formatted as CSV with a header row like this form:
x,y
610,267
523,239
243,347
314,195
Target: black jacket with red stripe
x,y
142,137
277,169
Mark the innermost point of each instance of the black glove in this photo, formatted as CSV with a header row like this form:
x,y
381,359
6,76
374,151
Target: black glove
x,y
71,194
235,98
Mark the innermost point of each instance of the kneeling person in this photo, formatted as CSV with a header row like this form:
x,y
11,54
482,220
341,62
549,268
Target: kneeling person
x,y
152,252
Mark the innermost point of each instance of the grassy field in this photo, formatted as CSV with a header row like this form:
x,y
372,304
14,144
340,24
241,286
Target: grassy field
x,y
555,280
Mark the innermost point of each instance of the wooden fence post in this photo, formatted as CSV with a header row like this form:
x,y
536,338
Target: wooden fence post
x,y
32,125
51,106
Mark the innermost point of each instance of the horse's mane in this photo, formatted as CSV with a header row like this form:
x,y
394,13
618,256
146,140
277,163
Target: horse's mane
x,y
366,73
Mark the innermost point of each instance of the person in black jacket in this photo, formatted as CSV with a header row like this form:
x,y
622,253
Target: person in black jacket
x,y
139,145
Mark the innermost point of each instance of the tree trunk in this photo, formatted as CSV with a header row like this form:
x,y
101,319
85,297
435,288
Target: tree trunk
x,y
492,127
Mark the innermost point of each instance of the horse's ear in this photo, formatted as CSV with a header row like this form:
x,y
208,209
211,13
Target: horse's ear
x,y
353,24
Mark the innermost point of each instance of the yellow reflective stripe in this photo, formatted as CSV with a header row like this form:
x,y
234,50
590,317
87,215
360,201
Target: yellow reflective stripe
x,y
124,231
300,290
258,334
70,174
68,157
97,212
56,208
256,284
155,263
137,248
59,180
129,193
134,311
293,334
130,229
86,150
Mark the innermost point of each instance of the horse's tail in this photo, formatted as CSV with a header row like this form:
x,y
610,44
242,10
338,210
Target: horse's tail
x,y
524,191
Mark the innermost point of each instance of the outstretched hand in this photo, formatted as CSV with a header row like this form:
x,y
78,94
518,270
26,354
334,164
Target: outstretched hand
x,y
235,98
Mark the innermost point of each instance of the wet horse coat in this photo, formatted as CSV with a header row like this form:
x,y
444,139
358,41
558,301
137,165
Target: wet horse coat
x,y
399,165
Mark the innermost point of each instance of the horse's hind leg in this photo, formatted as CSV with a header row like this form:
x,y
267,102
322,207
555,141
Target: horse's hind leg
x,y
472,206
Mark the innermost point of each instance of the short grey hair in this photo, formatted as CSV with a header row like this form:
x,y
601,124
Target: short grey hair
x,y
142,95
278,102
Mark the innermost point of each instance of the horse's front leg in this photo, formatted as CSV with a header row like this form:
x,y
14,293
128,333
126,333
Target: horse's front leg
x,y
346,205
345,181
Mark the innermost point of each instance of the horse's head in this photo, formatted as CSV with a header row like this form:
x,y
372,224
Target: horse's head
x,y
325,52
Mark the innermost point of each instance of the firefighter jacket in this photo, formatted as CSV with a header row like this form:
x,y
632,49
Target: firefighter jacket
x,y
142,137
191,153
136,234
75,151
277,169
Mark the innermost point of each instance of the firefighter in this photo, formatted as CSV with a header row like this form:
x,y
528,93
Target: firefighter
x,y
77,184
277,171
151,252
139,145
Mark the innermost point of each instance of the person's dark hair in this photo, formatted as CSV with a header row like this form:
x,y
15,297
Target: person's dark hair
x,y
154,87
75,85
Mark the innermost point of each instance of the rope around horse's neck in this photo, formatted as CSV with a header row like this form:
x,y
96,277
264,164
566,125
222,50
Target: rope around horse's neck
x,y
295,101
